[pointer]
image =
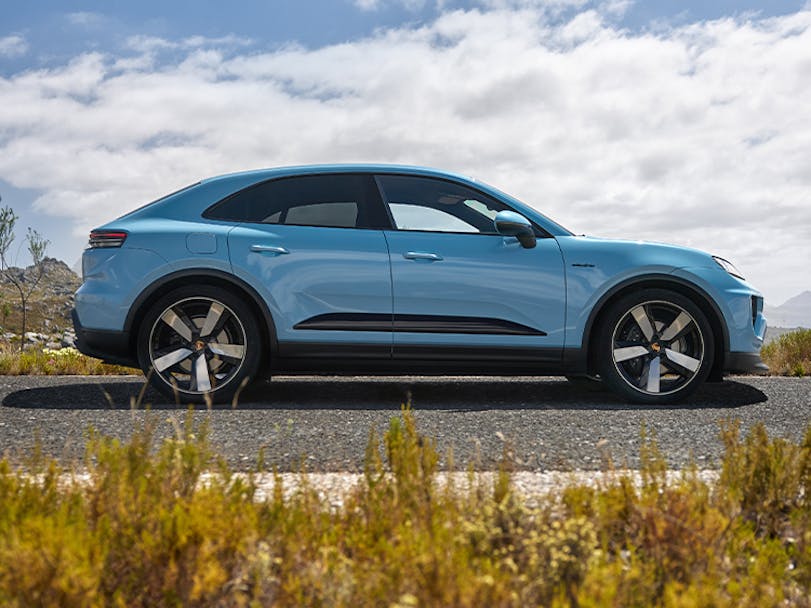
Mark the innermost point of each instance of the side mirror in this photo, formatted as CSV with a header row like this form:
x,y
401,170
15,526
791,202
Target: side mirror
x,y
510,223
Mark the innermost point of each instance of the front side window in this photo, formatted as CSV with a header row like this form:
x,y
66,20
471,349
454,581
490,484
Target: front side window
x,y
337,201
435,205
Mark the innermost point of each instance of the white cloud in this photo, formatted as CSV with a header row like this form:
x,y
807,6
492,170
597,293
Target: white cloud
x,y
150,44
367,5
13,46
616,8
86,19
374,5
545,5
697,135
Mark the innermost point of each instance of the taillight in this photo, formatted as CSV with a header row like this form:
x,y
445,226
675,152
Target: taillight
x,y
107,238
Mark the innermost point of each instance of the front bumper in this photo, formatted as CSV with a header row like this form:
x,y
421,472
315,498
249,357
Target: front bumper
x,y
748,363
108,345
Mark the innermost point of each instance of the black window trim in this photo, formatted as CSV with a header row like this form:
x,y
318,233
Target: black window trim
x,y
381,199
539,231
378,201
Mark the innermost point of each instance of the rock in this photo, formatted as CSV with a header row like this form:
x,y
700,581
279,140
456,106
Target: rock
x,y
68,339
53,345
32,336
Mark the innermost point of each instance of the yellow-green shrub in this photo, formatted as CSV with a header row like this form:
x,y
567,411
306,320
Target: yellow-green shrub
x,y
790,354
145,525
54,362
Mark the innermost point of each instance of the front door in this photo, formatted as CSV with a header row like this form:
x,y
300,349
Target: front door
x,y
461,290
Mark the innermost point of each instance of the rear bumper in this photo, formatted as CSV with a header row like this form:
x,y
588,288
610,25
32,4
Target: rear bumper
x,y
749,363
107,345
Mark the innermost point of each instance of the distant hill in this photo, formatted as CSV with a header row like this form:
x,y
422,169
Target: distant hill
x,y
51,302
57,277
796,312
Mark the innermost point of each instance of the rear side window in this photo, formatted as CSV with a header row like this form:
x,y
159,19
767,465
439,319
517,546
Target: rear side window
x,y
332,200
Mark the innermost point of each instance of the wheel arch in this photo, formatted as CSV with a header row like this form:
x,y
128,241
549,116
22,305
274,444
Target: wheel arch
x,y
690,290
216,278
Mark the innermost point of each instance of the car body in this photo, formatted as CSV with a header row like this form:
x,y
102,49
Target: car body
x,y
395,269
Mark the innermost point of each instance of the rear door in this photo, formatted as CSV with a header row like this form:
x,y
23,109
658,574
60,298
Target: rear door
x,y
313,246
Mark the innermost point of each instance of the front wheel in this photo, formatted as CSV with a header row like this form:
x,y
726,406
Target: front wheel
x,y
197,341
654,346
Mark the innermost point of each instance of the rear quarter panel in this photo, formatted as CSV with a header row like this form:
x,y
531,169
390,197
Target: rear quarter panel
x,y
114,278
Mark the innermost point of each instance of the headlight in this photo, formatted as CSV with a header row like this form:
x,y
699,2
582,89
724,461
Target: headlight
x,y
729,267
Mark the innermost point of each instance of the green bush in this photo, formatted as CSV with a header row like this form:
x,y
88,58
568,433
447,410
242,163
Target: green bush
x,y
790,354
140,525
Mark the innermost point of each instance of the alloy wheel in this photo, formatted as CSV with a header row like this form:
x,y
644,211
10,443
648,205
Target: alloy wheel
x,y
657,348
197,345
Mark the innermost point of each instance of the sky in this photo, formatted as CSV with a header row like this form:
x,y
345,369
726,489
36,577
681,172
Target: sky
x,y
679,121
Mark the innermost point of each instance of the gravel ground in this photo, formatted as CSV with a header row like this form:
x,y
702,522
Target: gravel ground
x,y
324,423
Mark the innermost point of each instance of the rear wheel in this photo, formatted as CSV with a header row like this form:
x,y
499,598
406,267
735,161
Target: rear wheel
x,y
655,347
198,341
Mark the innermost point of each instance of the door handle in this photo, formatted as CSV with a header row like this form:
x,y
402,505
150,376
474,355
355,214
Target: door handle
x,y
422,255
269,249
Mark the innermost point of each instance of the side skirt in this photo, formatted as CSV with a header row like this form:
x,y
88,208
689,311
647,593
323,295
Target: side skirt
x,y
365,359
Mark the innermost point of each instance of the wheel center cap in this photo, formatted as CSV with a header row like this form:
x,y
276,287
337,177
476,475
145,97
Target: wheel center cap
x,y
199,345
656,347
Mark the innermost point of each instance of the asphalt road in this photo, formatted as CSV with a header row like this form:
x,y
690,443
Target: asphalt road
x,y
324,423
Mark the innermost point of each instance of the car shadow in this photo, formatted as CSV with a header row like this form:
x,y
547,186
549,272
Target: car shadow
x,y
380,394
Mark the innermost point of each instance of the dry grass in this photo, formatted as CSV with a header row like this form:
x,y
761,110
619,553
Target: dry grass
x,y
48,362
140,529
790,354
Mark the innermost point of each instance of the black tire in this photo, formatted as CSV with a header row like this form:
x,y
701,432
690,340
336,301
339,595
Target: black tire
x,y
197,341
654,346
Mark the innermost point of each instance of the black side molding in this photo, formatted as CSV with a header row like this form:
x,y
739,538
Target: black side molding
x,y
341,321
423,324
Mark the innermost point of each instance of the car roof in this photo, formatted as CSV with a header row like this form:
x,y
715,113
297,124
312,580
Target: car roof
x,y
261,174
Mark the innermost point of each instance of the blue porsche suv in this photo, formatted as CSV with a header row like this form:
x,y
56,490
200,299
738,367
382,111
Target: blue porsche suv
x,y
365,269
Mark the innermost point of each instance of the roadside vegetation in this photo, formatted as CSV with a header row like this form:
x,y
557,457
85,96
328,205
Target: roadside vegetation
x,y
790,354
38,361
36,245
140,525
